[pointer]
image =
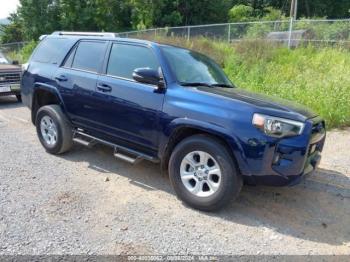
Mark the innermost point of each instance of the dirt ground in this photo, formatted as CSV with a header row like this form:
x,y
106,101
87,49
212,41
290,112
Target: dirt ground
x,y
87,202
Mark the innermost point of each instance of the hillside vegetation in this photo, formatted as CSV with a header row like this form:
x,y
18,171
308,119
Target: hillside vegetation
x,y
316,77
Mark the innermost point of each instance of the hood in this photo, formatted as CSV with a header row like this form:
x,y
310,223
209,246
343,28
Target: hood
x,y
258,100
8,67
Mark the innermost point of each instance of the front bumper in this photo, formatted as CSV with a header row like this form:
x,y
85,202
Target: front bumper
x,y
286,162
13,89
311,165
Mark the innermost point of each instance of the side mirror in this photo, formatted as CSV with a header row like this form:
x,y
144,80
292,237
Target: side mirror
x,y
148,76
15,62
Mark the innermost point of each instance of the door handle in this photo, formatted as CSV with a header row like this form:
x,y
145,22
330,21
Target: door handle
x,y
61,78
104,88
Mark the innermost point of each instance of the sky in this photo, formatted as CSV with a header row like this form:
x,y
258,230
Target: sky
x,y
7,7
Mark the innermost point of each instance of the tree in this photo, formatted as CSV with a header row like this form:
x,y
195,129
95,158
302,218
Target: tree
x,y
12,32
39,17
241,13
112,15
77,15
160,13
204,12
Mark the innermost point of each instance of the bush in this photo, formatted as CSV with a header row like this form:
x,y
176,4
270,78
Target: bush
x,y
241,13
23,54
337,30
316,77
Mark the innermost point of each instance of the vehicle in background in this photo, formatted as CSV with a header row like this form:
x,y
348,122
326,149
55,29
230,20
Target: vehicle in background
x,y
170,105
10,77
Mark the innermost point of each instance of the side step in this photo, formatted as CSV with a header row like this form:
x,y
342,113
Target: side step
x,y
83,142
126,157
123,153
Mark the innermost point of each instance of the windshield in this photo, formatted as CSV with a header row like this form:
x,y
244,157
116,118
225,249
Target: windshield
x,y
192,67
3,59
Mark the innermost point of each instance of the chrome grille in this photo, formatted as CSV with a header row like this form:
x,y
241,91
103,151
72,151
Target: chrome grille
x,y
10,78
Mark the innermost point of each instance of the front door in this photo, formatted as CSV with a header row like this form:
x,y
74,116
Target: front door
x,y
129,109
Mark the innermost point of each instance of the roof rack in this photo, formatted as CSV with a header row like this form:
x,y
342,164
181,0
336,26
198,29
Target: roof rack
x,y
103,34
42,37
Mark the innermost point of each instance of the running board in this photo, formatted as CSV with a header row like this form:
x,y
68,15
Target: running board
x,y
126,158
123,153
83,142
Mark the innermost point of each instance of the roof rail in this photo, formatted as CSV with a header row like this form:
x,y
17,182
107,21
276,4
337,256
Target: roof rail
x,y
42,37
101,34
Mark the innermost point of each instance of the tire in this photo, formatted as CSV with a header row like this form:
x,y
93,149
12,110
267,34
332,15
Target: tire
x,y
19,98
64,135
230,181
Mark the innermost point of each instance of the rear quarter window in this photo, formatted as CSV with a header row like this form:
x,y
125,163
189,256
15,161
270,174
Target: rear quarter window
x,y
52,50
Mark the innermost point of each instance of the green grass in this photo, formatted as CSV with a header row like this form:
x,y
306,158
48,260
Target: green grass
x,y
23,55
318,78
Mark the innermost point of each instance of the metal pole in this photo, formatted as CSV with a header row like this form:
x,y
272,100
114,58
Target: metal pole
x,y
188,33
293,15
295,9
229,33
290,32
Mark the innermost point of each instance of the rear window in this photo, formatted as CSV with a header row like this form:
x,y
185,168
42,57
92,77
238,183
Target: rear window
x,y
89,56
52,50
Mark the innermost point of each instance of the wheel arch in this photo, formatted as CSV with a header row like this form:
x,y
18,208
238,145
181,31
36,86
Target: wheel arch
x,y
181,129
44,94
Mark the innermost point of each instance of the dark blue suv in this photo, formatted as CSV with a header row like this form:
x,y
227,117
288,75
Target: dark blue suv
x,y
170,105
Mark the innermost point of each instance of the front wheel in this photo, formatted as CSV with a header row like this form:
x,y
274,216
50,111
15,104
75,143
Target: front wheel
x,y
203,173
53,129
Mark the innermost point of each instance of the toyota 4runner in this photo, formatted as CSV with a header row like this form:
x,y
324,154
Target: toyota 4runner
x,y
171,105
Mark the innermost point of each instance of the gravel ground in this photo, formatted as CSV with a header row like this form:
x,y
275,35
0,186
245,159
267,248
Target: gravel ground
x,y
86,202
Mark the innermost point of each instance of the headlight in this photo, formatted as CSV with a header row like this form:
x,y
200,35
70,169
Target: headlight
x,y
277,127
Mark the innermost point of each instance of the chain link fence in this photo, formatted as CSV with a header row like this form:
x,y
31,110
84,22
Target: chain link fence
x,y
289,32
11,50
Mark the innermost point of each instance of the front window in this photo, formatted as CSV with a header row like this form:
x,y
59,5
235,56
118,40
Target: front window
x,y
192,67
124,59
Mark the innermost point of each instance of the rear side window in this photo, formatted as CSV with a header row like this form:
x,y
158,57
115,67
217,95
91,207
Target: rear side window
x,y
52,50
124,59
89,56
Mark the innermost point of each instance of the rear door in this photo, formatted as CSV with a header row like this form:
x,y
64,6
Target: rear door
x,y
77,81
130,110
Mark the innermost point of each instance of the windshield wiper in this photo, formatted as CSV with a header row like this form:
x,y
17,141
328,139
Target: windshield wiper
x,y
206,84
222,85
195,84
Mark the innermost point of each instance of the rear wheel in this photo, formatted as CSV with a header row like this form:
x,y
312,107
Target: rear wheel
x,y
203,173
53,129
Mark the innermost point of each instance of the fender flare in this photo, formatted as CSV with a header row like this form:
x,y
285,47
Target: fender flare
x,y
211,128
38,86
